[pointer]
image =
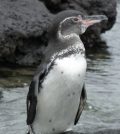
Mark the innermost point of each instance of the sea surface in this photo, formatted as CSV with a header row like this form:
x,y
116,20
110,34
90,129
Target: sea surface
x,y
102,111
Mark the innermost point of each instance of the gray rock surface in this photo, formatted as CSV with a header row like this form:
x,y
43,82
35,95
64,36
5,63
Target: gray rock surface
x,y
23,26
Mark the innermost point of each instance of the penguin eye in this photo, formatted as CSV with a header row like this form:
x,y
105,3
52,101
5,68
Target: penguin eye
x,y
75,20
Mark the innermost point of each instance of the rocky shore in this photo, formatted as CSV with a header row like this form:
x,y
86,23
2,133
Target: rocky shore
x,y
24,23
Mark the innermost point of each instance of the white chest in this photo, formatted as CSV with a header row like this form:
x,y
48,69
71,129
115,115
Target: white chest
x,y
72,65
58,101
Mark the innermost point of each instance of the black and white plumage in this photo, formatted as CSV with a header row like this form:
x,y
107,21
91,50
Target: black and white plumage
x,y
57,93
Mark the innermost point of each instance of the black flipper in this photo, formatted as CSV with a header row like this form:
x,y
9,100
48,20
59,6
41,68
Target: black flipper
x,y
83,98
31,103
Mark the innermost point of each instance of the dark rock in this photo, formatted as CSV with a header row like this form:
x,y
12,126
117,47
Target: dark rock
x,y
24,25
22,30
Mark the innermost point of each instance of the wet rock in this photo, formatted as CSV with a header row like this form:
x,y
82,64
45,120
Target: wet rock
x,y
24,25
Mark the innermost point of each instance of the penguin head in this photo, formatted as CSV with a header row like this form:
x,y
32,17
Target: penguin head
x,y
78,23
73,22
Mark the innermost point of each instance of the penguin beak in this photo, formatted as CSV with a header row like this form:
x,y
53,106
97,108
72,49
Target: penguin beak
x,y
87,21
90,20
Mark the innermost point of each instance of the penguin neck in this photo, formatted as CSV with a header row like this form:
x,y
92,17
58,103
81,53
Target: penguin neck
x,y
72,46
72,39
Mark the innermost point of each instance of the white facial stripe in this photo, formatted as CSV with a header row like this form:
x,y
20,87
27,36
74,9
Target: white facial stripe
x,y
66,19
60,36
63,37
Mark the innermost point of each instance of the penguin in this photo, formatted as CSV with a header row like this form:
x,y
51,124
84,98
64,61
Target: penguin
x,y
57,95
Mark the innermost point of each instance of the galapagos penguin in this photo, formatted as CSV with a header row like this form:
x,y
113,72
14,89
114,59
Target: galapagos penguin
x,y
57,94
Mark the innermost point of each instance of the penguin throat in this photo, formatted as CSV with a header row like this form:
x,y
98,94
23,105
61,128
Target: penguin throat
x,y
73,40
72,50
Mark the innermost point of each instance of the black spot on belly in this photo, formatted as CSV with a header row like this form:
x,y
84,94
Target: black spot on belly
x,y
73,93
78,75
50,120
53,129
62,72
